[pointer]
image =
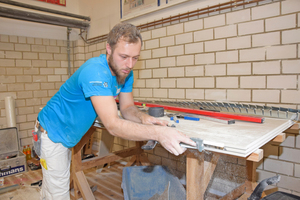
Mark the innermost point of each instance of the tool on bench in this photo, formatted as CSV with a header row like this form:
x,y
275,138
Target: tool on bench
x,y
39,183
175,117
200,145
9,188
243,108
37,141
240,117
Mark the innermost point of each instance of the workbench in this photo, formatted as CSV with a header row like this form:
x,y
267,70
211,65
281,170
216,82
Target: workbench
x,y
196,178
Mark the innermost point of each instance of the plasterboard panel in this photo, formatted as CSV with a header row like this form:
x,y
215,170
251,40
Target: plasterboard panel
x,y
239,139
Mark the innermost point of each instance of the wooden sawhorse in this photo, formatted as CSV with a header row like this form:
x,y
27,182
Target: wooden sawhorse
x,y
78,180
198,179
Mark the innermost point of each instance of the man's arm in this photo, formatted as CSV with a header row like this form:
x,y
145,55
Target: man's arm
x,y
130,112
169,138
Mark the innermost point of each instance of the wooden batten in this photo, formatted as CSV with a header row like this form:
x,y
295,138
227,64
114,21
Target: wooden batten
x,y
256,156
279,138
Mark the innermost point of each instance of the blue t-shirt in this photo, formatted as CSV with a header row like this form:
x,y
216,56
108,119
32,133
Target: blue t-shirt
x,y
69,114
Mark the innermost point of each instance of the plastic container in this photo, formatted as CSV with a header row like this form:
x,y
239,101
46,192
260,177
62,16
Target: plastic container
x,y
12,160
143,182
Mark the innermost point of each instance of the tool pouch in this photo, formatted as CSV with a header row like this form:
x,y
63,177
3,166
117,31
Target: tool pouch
x,y
37,141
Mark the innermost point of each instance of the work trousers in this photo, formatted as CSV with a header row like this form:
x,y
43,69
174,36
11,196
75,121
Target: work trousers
x,y
55,160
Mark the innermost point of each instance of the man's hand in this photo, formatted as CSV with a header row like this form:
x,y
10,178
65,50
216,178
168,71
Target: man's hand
x,y
170,139
147,119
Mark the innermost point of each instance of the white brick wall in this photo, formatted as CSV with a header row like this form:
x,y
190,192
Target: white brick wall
x,y
291,67
269,96
160,32
266,39
239,95
239,69
251,27
265,11
238,16
215,45
239,42
206,58
193,25
167,62
227,82
281,52
215,70
214,21
185,60
291,36
205,82
280,23
226,31
253,82
203,35
278,166
194,94
282,82
271,67
194,71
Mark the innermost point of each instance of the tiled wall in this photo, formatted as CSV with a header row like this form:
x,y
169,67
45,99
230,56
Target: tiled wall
x,y
243,55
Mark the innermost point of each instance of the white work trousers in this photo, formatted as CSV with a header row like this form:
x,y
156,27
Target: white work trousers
x,y
56,170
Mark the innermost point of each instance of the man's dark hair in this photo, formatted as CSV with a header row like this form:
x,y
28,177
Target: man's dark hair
x,y
124,31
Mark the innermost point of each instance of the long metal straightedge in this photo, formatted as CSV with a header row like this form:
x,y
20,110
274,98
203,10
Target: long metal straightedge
x,y
204,112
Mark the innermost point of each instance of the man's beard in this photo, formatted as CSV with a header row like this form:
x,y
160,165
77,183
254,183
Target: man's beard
x,y
120,77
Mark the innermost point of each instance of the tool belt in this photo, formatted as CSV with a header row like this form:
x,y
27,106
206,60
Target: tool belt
x,y
37,137
38,126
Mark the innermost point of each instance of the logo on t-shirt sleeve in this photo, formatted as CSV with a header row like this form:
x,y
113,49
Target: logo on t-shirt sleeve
x,y
99,83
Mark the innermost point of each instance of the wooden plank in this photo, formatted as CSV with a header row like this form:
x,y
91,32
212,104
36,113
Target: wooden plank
x,y
279,138
292,131
210,169
88,147
92,162
144,160
84,186
234,194
256,156
194,175
295,126
107,188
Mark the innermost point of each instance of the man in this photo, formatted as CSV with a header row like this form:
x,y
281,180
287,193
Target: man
x,y
89,92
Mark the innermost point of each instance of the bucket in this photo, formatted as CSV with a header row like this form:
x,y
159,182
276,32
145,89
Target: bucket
x,y
144,182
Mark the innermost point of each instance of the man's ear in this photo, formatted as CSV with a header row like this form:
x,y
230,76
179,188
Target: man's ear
x,y
108,49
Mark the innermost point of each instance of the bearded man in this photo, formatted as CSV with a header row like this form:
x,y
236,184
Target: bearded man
x,y
89,93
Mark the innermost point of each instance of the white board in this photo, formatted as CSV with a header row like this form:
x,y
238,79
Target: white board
x,y
239,139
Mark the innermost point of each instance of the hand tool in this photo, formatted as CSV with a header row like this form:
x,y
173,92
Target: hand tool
x,y
9,188
256,195
39,183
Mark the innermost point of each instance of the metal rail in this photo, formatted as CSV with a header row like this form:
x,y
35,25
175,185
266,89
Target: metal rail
x,y
46,19
230,107
247,118
14,3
